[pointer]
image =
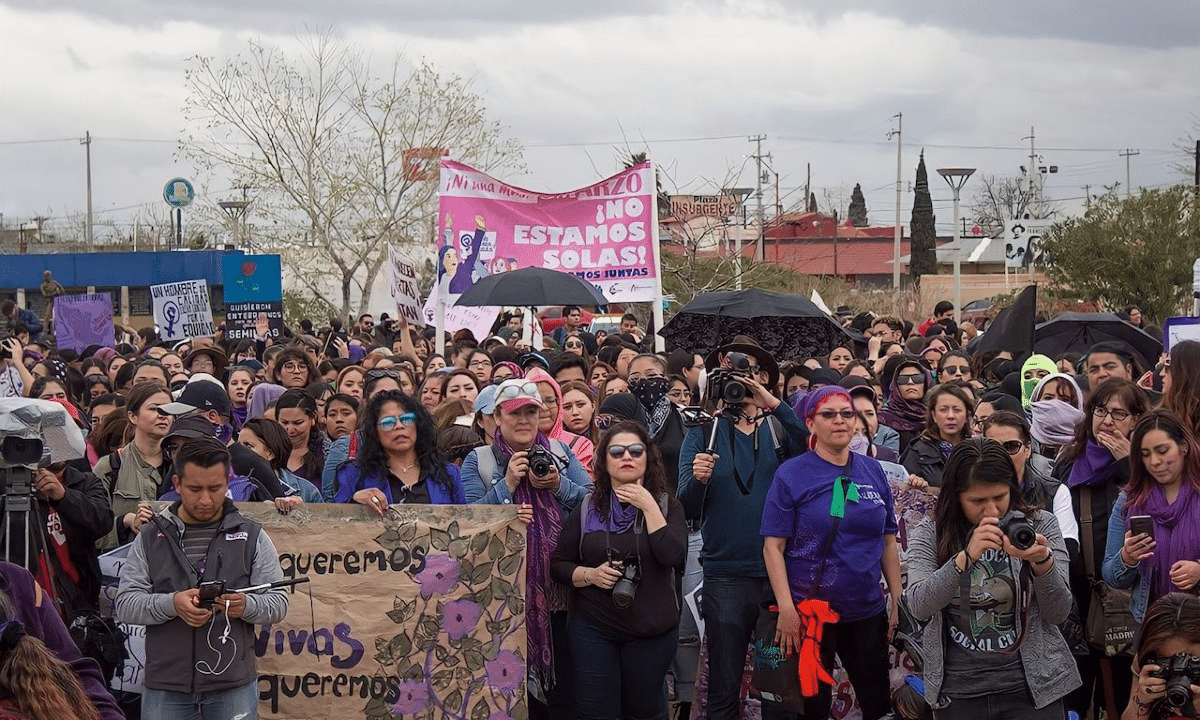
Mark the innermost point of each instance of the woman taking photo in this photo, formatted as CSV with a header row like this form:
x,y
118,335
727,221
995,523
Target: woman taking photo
x,y
551,420
296,411
992,648
622,645
1095,466
398,459
132,474
502,474
829,532
1164,486
947,423
1171,628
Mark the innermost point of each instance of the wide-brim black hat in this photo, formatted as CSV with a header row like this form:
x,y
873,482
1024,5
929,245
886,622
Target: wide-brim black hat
x,y
766,361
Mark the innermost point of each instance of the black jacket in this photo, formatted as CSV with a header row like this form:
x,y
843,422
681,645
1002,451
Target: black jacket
x,y
924,458
86,517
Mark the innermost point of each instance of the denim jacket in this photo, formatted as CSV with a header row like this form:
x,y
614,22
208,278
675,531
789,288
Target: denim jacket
x,y
1116,572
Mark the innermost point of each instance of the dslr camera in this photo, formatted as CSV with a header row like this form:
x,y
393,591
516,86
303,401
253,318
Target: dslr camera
x,y
540,461
726,384
626,587
1181,672
1016,526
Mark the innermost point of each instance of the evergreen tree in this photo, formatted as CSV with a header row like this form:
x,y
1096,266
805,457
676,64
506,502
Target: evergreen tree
x,y
858,207
922,226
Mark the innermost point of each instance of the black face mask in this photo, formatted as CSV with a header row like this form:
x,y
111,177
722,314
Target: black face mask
x,y
650,391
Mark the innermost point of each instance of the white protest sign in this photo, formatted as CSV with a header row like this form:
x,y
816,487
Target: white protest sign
x,y
182,310
402,284
130,676
478,320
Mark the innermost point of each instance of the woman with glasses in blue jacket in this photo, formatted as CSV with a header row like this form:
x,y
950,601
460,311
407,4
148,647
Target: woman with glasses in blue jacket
x,y
398,460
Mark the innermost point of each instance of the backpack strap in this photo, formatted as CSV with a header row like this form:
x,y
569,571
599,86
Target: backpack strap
x,y
486,456
114,467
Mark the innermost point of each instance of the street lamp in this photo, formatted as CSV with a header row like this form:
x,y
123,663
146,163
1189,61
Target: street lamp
x,y
956,178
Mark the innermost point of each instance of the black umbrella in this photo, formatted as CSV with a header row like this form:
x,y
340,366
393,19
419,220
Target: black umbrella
x,y
1076,332
531,287
788,326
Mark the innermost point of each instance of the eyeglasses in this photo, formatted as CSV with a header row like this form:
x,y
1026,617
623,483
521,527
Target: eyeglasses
x,y
480,364
635,451
955,370
680,394
573,346
499,379
845,414
512,392
1116,415
381,374
294,367
389,422
910,379
1012,447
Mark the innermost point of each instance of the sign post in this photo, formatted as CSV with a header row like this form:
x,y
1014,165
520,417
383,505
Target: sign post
x,y
179,193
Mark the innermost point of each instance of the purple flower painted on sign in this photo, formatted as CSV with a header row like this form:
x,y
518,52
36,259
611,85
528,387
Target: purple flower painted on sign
x,y
505,672
439,576
459,618
414,695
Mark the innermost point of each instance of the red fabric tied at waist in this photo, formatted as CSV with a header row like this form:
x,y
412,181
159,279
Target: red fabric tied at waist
x,y
814,615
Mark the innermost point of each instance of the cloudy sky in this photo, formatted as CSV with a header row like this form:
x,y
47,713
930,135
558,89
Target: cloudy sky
x,y
577,82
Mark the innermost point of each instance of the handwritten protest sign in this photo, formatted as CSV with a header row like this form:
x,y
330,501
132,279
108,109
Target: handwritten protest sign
x,y
602,233
182,310
242,319
421,613
83,320
478,320
402,284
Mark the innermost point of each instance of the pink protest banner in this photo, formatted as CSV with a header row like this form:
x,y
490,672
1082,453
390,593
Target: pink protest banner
x,y
602,233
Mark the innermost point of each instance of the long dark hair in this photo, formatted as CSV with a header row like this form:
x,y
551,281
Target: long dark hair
x,y
38,682
372,459
1184,394
297,398
975,460
1140,479
274,437
655,479
1175,616
1131,396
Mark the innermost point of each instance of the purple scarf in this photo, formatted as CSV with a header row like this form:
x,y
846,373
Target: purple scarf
x,y
900,414
619,518
240,416
1095,467
543,594
1176,533
1054,422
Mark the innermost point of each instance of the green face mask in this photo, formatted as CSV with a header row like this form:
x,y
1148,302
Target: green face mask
x,y
1030,377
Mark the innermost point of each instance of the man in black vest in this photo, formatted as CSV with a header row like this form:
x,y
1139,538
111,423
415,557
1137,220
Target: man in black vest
x,y
200,656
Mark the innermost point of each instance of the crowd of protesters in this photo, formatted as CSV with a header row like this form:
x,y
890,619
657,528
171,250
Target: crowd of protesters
x,y
784,490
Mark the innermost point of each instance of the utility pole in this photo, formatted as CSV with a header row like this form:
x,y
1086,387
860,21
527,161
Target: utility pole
x,y
1087,196
87,143
1034,176
896,230
759,252
807,183
1127,153
1197,180
835,244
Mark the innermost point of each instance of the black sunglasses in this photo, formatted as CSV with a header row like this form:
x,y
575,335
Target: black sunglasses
x,y
380,374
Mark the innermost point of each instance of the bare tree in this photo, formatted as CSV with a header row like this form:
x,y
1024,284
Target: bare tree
x,y
325,140
1000,198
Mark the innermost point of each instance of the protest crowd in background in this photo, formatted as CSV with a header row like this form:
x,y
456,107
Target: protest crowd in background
x,y
1064,494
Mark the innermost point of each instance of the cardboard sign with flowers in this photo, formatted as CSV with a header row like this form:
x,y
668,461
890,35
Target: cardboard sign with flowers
x,y
420,614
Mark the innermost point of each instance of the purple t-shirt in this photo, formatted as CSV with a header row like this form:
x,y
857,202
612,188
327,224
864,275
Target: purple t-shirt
x,y
797,508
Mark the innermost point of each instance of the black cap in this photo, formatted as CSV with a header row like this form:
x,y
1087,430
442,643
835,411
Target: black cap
x,y
200,395
859,386
193,426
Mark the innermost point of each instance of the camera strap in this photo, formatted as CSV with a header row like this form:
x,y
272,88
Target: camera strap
x,y
743,485
839,487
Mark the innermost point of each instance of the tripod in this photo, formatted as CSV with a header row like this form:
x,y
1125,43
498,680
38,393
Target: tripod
x,y
23,527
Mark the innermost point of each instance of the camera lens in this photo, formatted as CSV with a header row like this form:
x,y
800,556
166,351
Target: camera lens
x,y
1179,692
1023,537
734,392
